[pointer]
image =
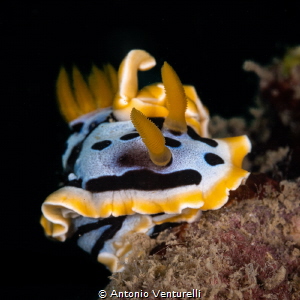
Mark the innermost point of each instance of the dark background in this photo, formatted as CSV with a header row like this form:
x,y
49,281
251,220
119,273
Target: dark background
x,y
205,43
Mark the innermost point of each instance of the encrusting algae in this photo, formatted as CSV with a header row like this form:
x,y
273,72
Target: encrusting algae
x,y
249,250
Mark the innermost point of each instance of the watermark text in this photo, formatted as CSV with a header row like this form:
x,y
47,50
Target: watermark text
x,y
194,293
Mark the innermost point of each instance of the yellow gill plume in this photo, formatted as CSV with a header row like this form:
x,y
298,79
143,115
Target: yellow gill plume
x,y
82,92
152,138
65,97
103,85
76,98
177,101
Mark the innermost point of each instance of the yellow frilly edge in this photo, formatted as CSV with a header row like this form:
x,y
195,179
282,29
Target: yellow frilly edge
x,y
218,196
239,147
70,202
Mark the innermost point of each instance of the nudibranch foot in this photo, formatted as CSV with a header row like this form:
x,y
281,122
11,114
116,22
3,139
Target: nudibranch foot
x,y
136,159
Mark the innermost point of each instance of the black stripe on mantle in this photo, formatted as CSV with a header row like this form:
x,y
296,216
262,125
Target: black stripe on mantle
x,y
144,180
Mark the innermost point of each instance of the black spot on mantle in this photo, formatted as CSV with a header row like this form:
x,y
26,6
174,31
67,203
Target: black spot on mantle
x,y
158,122
73,157
144,180
101,145
129,136
172,143
213,159
74,154
77,127
192,134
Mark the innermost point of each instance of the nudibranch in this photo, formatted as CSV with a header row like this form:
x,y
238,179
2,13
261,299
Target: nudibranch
x,y
136,159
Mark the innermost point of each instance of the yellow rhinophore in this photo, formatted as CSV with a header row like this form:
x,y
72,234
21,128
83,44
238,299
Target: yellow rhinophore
x,y
152,138
176,97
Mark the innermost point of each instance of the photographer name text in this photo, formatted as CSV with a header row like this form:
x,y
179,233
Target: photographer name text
x,y
194,293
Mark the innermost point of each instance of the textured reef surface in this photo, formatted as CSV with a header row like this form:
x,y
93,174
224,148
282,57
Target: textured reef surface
x,y
250,248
